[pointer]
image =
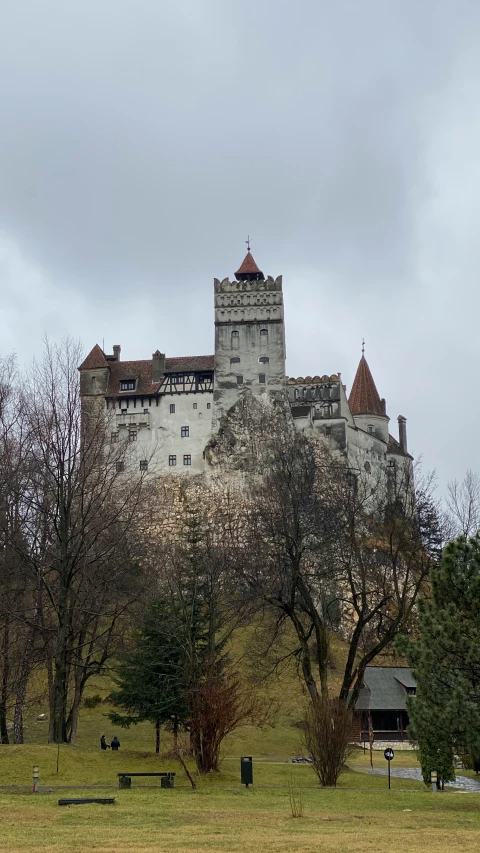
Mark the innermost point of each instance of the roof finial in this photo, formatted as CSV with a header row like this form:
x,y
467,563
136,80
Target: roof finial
x,y
363,346
248,242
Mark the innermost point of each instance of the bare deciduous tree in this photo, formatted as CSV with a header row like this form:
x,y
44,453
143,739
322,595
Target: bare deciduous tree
x,y
327,735
328,549
463,506
79,539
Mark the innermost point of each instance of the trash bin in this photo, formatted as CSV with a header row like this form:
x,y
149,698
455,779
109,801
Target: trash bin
x,y
125,782
246,770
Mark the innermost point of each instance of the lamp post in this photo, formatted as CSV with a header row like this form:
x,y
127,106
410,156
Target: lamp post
x,y
35,778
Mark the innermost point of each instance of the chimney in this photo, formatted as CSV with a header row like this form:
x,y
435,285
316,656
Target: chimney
x,y
116,351
384,406
402,432
158,365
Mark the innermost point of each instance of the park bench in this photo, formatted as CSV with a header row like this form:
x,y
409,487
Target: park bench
x,y
167,780
103,801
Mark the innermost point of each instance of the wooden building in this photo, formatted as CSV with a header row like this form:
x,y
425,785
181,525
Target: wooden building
x,y
381,708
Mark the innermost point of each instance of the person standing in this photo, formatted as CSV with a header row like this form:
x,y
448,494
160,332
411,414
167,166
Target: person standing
x,y
103,743
115,744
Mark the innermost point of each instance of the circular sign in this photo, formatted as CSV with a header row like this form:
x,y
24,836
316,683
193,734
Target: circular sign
x,y
389,753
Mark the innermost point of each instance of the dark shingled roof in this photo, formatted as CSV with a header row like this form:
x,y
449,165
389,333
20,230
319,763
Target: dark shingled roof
x,y
142,372
95,358
364,398
394,447
385,688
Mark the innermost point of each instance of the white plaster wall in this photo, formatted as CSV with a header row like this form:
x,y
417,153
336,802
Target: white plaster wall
x,y
162,437
379,424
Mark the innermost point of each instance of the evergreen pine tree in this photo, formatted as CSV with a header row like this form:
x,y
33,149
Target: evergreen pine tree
x,y
150,682
445,713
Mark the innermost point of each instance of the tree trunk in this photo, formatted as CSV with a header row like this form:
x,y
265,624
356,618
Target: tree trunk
x,y
5,679
60,674
157,736
26,668
71,725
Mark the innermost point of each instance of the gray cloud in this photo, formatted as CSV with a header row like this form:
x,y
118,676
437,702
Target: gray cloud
x,y
140,141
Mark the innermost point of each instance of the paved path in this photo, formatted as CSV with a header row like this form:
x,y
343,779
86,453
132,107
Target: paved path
x,y
464,783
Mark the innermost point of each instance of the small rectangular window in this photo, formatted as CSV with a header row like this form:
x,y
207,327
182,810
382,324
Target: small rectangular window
x,y
143,465
124,411
261,378
132,435
209,405
172,408
187,460
113,437
370,428
127,385
185,432
195,406
145,411
240,380
120,466
328,430
172,460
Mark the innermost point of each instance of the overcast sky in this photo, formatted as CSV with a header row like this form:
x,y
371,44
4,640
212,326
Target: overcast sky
x,y
142,140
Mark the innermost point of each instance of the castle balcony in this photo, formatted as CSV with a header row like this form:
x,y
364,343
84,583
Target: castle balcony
x,y
132,419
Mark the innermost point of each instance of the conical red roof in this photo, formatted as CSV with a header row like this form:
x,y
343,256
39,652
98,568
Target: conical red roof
x,y
248,266
364,398
95,358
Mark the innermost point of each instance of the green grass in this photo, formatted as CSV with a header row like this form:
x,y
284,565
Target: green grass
x,y
220,816
228,819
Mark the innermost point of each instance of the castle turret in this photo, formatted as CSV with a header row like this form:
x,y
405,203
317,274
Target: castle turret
x,y
249,336
368,410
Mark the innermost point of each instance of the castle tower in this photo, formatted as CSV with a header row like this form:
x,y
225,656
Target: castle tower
x,y
368,410
249,336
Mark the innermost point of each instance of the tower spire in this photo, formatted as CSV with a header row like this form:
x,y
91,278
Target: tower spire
x,y
248,270
364,398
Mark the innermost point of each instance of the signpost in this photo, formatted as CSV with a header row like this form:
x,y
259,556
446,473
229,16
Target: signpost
x,y
433,779
389,754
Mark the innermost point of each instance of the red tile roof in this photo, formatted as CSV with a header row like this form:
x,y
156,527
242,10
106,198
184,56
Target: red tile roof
x,y
248,265
364,398
95,358
142,372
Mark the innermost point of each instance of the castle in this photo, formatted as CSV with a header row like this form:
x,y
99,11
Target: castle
x,y
171,407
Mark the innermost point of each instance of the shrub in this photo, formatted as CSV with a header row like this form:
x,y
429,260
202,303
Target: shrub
x,y
327,734
92,701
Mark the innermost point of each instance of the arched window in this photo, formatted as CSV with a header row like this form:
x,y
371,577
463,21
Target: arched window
x,y
235,360
235,339
264,359
263,332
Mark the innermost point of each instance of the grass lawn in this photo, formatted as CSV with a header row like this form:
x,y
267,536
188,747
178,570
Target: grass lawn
x,y
360,815
225,818
220,816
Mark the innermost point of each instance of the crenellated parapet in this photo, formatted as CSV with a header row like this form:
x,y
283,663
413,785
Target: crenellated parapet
x,y
264,285
249,301
313,380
